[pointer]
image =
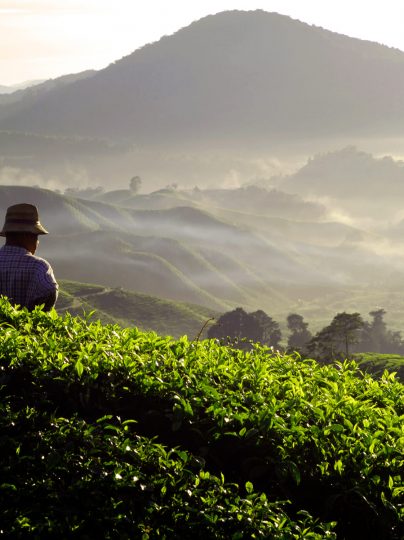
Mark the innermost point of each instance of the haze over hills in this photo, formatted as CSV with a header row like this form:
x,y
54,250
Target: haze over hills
x,y
216,256
168,253
354,180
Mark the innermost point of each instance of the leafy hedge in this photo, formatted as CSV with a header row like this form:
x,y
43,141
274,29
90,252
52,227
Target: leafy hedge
x,y
115,433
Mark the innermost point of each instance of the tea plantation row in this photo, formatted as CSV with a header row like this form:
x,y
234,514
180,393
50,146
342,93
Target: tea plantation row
x,y
114,433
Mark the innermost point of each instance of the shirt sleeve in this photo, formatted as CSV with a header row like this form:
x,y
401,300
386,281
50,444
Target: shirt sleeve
x,y
45,280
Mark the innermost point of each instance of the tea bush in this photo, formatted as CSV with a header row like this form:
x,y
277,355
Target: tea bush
x,y
160,438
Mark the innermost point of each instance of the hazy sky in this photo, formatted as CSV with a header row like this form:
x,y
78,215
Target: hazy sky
x,y
46,38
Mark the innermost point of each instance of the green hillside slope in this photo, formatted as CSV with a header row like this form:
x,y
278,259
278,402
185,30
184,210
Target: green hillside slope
x,y
129,309
116,433
172,253
218,257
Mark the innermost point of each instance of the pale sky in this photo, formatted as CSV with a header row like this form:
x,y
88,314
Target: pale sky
x,y
42,39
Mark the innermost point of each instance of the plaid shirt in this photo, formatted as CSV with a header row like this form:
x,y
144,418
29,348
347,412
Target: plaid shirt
x,y
25,279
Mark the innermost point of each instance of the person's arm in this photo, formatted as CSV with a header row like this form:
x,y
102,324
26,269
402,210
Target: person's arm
x,y
48,301
46,286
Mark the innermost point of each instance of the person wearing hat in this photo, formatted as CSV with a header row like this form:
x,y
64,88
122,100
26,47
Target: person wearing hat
x,y
25,279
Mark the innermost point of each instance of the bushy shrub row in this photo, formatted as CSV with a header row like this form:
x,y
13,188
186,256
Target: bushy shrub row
x,y
234,434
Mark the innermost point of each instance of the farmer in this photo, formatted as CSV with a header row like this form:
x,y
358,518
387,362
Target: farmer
x,y
26,280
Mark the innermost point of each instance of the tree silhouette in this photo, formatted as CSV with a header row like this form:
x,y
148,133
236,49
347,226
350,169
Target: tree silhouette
x,y
242,328
270,332
377,338
299,336
236,325
134,184
334,341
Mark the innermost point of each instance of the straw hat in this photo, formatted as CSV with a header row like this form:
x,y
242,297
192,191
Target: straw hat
x,y
22,218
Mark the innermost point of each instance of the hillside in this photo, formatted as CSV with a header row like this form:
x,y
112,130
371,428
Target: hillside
x,y
116,433
217,253
130,309
184,254
19,98
353,180
9,89
177,89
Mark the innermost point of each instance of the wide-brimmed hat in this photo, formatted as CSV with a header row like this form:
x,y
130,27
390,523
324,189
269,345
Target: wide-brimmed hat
x,y
22,218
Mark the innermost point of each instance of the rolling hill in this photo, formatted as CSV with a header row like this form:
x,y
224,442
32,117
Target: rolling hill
x,y
219,257
184,253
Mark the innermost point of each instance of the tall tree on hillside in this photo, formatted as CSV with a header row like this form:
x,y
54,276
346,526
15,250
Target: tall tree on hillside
x,y
236,325
271,334
134,184
374,333
377,338
346,327
300,335
378,329
335,341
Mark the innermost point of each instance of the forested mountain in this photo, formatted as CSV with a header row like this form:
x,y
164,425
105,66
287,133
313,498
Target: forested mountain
x,y
232,97
237,76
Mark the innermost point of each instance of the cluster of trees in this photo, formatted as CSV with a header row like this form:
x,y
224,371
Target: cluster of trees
x,y
242,328
347,333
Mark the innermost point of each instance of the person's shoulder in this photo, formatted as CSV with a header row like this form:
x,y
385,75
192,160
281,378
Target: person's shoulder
x,y
43,271
40,262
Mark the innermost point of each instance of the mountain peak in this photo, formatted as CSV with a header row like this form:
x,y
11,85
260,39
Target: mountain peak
x,y
239,75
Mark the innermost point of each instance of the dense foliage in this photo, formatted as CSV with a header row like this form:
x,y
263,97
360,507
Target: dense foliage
x,y
115,433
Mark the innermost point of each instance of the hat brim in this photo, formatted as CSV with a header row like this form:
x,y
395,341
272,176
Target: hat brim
x,y
34,228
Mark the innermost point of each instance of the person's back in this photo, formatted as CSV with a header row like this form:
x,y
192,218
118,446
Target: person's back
x,y
25,279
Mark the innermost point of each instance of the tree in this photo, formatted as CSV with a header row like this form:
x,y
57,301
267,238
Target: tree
x,y
134,184
271,334
243,327
377,338
378,330
334,341
236,325
299,336
374,333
